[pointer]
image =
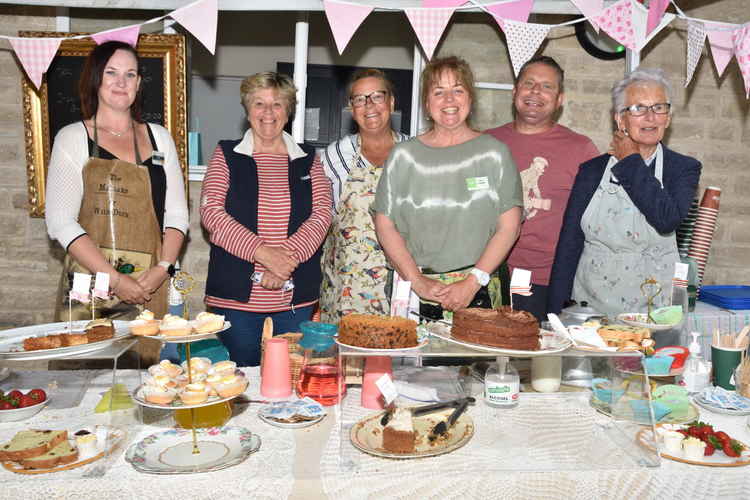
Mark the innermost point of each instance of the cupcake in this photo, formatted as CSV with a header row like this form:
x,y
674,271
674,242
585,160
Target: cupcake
x,y
166,367
144,324
159,395
175,326
160,380
224,368
194,394
207,322
212,380
231,385
197,365
197,377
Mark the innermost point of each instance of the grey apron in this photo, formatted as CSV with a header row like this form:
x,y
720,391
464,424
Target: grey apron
x,y
621,249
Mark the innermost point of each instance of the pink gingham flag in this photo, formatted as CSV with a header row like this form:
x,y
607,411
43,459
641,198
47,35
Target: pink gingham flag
x,y
615,20
429,25
35,55
524,40
128,34
722,48
344,19
199,18
695,41
590,9
742,54
443,3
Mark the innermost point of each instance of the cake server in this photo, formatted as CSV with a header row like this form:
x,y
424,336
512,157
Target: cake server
x,y
442,427
424,410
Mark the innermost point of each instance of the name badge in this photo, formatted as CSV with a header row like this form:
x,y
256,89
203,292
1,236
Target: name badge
x,y
305,178
477,183
157,158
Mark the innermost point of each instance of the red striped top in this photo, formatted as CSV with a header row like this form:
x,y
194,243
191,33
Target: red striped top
x,y
274,206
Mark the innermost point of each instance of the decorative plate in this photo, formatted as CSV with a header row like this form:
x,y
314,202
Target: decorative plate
x,y
300,413
640,320
551,342
171,452
11,341
193,337
692,414
707,405
372,349
645,438
367,436
177,404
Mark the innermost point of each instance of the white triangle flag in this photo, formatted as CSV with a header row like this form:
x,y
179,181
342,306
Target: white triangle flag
x,y
199,18
429,25
663,23
695,42
590,8
523,40
344,19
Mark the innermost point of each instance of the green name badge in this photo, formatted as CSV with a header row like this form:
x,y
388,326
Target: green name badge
x,y
476,183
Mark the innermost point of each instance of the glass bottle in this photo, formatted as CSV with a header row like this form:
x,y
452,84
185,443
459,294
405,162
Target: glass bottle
x,y
501,384
320,377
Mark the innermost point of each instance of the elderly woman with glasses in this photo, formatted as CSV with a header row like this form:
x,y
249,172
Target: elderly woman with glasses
x,y
353,264
619,226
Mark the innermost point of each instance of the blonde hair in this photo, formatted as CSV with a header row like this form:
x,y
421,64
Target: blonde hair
x,y
270,80
435,69
370,73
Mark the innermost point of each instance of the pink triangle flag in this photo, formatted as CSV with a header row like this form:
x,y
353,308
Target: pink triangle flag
x,y
656,9
695,41
344,19
722,48
128,34
35,55
199,18
590,9
515,11
742,54
443,3
429,25
524,40
615,20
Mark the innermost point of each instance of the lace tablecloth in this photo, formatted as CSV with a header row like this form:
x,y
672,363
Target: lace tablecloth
x,y
550,446
265,474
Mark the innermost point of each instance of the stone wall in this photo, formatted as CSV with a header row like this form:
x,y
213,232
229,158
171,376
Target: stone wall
x,y
710,123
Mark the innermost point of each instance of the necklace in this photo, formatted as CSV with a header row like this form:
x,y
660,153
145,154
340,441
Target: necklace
x,y
116,134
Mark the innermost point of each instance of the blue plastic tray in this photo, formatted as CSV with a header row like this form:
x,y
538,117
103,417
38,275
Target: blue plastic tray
x,y
727,292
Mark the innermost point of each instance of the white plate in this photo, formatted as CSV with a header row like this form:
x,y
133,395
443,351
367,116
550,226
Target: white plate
x,y
551,342
639,320
717,409
290,425
645,438
372,349
4,373
11,341
171,452
177,404
193,337
22,413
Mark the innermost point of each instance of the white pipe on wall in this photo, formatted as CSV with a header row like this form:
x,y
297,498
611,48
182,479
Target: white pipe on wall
x,y
62,19
301,41
417,119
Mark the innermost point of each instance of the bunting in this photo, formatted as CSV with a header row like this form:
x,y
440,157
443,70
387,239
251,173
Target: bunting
x,y
128,34
722,47
615,20
515,11
344,19
741,44
642,35
200,19
656,8
35,55
429,25
523,40
443,3
590,9
695,41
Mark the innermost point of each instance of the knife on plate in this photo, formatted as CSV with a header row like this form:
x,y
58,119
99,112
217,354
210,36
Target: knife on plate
x,y
442,427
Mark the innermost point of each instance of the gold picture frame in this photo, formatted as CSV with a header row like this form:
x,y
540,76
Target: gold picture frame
x,y
56,103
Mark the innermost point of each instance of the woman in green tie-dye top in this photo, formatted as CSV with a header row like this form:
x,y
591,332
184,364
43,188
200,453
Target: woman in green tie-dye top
x,y
448,205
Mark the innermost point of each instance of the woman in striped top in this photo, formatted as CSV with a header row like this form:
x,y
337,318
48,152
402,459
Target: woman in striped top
x,y
266,205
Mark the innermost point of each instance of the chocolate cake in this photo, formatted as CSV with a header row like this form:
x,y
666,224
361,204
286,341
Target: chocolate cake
x,y
501,327
399,435
378,332
99,329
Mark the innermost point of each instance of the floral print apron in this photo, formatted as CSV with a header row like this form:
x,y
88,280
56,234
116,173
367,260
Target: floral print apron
x,y
621,250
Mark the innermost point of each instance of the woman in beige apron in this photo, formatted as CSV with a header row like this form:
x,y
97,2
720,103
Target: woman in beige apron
x,y
107,210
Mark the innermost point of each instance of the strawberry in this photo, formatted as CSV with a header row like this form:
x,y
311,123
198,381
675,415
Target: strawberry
x,y
709,450
732,448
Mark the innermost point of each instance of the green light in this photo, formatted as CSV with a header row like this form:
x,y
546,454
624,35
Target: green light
x,y
619,48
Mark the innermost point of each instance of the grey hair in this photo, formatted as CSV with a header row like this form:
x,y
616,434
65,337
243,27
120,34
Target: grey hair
x,y
640,76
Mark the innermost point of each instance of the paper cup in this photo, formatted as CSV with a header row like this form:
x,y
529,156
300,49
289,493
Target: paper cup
x,y
725,360
375,367
276,380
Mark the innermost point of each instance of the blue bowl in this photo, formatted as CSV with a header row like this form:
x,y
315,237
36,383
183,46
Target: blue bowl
x,y
603,391
658,365
640,410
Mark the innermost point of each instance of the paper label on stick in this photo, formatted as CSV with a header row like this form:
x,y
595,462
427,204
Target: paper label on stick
x,y
387,388
101,286
81,286
521,278
681,271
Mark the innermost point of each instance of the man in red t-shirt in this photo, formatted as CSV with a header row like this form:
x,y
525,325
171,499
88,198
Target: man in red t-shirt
x,y
547,155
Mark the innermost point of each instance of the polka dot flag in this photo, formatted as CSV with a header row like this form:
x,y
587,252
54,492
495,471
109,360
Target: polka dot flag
x,y
523,40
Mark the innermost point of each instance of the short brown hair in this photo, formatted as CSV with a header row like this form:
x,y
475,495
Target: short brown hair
x,y
454,64
547,61
363,73
270,80
91,79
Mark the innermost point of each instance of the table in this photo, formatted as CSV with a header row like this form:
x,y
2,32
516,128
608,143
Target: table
x,y
304,463
706,318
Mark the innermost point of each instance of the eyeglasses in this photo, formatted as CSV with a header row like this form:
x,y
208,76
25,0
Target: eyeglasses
x,y
660,108
376,97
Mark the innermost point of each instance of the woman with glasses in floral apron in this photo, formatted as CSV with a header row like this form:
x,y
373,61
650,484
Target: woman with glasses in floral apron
x,y
115,191
619,226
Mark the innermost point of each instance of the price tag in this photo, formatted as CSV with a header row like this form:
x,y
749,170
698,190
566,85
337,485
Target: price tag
x,y
521,278
81,286
101,286
387,389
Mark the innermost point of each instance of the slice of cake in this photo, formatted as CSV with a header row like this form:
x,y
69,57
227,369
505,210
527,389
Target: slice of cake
x,y
399,435
31,443
63,453
99,329
377,332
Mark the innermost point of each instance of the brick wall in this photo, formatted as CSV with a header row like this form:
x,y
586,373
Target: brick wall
x,y
710,123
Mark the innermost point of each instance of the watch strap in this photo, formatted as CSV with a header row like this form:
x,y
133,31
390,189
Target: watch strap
x,y
168,267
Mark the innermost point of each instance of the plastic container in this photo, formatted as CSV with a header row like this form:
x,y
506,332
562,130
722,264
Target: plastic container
x,y
320,377
546,373
696,375
502,384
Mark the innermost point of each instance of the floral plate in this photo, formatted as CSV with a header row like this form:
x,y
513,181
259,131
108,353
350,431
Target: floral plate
x,y
171,452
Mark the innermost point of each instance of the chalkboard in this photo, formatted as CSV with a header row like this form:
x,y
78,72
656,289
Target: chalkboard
x,y
64,104
56,103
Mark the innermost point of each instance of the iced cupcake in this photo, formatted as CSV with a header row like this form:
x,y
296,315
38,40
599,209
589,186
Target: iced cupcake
x,y
197,377
159,380
144,324
231,385
212,380
159,395
223,368
167,368
207,322
194,394
198,365
175,326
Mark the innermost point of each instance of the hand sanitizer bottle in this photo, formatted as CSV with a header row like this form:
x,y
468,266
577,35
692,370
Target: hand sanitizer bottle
x,y
501,384
696,373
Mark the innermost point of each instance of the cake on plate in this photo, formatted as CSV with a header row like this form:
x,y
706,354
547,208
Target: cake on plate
x,y
377,332
399,435
502,327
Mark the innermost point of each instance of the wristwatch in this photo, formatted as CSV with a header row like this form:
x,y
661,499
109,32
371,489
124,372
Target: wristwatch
x,y
482,277
168,267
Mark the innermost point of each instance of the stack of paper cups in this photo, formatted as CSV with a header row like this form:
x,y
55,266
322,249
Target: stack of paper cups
x,y
703,231
685,231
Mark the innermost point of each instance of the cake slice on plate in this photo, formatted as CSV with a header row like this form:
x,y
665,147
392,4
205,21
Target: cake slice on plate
x,y
63,453
31,443
399,435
